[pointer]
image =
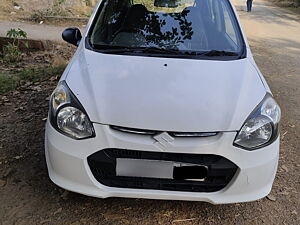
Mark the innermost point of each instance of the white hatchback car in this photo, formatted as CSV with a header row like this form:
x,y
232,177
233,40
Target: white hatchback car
x,y
163,100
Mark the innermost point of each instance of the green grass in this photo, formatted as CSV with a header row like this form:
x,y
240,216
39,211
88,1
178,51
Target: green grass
x,y
9,82
39,74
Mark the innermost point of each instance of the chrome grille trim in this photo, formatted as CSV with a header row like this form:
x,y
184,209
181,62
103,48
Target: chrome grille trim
x,y
193,134
154,132
134,131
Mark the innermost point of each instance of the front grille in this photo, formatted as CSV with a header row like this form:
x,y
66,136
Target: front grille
x,y
220,171
156,132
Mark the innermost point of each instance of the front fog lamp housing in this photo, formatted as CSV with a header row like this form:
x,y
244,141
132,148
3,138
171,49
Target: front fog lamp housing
x,y
261,128
67,115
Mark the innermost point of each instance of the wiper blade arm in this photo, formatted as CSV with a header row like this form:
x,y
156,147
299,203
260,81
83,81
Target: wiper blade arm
x,y
157,50
115,49
219,53
160,50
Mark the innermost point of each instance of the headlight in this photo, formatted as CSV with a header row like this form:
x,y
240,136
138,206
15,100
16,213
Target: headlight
x,y
60,96
67,114
261,128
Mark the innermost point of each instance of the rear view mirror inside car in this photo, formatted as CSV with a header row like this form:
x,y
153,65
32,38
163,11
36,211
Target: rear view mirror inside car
x,y
166,3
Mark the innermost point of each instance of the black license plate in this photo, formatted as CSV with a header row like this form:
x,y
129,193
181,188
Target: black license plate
x,y
190,173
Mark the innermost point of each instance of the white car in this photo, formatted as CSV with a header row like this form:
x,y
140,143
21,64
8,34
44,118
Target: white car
x,y
163,100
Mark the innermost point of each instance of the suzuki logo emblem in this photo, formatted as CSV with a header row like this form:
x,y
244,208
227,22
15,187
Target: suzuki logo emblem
x,y
163,140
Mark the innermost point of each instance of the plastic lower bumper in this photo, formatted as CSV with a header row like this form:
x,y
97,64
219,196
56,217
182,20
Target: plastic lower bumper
x,y
68,165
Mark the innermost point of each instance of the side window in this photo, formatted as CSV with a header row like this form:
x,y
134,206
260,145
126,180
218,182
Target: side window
x,y
99,31
229,29
109,21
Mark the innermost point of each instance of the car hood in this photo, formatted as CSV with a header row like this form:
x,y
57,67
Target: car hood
x,y
165,94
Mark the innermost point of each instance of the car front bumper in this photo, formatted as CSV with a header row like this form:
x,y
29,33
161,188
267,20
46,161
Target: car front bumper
x,y
68,165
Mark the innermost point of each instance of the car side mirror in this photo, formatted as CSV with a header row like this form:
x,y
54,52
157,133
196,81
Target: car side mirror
x,y
72,35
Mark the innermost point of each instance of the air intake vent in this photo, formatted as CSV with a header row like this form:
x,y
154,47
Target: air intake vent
x,y
217,170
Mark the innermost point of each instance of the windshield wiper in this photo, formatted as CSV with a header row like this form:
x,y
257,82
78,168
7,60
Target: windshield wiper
x,y
160,50
113,49
156,50
116,49
219,53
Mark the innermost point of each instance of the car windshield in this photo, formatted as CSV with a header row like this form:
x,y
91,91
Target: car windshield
x,y
171,26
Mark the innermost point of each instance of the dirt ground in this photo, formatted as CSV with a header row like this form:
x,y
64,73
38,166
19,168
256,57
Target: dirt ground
x,y
16,9
27,196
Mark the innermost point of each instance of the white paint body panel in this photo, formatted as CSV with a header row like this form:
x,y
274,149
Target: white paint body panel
x,y
68,167
186,96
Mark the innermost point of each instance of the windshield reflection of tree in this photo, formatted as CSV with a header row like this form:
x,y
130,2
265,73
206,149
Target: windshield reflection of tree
x,y
171,38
